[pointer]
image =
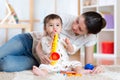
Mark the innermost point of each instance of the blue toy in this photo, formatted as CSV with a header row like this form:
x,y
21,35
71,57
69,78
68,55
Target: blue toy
x,y
89,66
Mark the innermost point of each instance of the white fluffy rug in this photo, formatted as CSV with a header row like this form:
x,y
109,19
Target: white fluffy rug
x,y
111,73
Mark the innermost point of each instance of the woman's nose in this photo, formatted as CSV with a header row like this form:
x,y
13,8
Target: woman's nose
x,y
74,27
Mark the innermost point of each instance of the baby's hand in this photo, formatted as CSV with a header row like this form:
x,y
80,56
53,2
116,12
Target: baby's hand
x,y
67,41
69,45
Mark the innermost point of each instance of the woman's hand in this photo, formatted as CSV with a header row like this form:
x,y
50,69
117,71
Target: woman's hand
x,y
44,59
98,69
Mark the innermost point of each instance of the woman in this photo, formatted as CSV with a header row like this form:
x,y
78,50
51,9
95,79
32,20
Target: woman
x,y
19,53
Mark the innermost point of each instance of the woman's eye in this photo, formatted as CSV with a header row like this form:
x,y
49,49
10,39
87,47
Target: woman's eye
x,y
80,29
77,21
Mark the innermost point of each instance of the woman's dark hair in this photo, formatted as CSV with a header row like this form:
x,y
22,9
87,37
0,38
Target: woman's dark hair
x,y
94,22
51,17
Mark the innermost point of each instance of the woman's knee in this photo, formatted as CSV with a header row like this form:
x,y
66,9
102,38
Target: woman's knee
x,y
16,63
9,64
5,65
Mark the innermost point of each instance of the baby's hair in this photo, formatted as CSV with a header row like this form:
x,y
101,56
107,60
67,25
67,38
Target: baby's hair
x,y
94,22
51,17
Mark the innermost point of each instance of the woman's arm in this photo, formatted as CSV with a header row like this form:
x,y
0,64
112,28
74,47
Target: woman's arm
x,y
89,54
89,58
43,58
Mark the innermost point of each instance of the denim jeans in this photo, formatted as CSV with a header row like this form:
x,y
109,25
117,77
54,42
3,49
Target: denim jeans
x,y
16,54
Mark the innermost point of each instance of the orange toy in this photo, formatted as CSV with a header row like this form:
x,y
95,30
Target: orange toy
x,y
70,73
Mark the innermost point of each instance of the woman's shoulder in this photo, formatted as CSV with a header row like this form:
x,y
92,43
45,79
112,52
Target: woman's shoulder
x,y
91,36
91,39
37,35
46,37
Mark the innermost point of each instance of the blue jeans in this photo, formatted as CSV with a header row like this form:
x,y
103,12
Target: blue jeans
x,y
16,54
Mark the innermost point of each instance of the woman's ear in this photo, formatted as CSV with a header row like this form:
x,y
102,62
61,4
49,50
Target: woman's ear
x,y
44,28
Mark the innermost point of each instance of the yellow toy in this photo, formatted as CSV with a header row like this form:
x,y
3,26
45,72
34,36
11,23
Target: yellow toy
x,y
54,56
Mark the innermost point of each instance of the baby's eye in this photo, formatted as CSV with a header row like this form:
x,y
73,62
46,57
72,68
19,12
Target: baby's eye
x,y
50,25
57,25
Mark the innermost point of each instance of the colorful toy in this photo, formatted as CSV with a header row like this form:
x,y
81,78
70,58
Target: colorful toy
x,y
89,66
54,56
107,47
11,15
70,73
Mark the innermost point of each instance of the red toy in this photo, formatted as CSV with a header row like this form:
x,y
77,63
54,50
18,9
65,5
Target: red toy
x,y
108,47
55,56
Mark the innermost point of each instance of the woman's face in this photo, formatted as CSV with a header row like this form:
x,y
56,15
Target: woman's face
x,y
79,27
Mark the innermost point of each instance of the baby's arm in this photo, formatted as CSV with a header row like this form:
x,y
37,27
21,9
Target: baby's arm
x,y
69,46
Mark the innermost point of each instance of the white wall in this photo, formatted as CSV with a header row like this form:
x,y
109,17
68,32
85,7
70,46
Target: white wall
x,y
67,6
41,9
45,7
21,7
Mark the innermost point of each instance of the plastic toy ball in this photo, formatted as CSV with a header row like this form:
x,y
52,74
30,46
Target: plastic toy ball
x,y
89,66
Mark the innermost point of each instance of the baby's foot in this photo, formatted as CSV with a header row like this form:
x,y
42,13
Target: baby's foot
x,y
38,71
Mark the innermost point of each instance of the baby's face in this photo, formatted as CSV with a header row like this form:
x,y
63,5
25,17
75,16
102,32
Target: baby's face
x,y
53,26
